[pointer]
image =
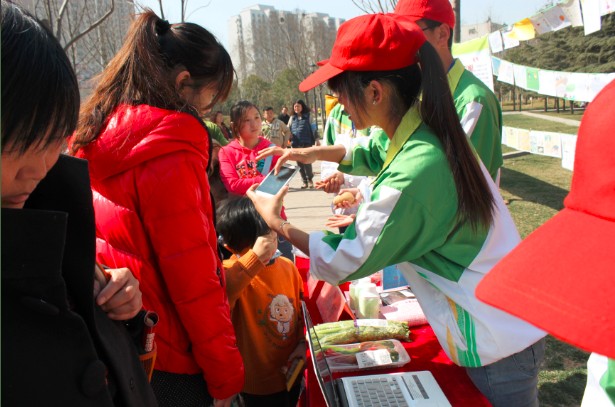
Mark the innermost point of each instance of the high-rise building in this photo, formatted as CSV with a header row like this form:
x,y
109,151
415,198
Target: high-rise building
x,y
264,41
89,52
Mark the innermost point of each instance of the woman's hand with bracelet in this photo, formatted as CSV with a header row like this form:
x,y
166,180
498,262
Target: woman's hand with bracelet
x,y
269,207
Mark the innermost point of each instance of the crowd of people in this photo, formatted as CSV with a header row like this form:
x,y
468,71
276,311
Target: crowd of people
x,y
143,198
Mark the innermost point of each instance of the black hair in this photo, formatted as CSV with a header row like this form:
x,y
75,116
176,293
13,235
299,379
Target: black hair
x,y
143,72
238,110
437,110
240,224
305,110
40,92
267,108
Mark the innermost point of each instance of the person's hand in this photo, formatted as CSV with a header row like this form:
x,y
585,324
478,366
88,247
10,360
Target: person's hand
x,y
339,221
265,246
332,183
224,403
268,207
303,155
297,353
266,152
120,298
357,198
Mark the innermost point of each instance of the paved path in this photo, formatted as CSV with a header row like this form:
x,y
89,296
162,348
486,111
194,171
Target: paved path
x,y
308,209
570,122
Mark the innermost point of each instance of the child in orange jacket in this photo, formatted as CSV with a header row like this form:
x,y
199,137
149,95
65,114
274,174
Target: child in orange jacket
x,y
265,297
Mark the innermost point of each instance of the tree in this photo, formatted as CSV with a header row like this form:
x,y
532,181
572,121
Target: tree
x,y
285,88
376,6
256,90
84,30
69,22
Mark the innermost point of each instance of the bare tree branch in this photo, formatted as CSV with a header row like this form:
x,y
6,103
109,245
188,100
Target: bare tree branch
x,y
161,9
59,18
198,8
375,6
91,27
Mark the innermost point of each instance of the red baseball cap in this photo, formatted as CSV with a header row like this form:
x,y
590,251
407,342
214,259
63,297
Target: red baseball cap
x,y
372,42
436,10
561,278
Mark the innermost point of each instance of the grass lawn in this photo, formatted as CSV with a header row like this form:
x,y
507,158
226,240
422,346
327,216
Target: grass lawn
x,y
522,121
535,187
578,114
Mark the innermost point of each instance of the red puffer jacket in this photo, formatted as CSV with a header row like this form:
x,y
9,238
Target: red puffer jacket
x,y
154,216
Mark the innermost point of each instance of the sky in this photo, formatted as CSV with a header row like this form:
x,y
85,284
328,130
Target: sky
x,y
214,14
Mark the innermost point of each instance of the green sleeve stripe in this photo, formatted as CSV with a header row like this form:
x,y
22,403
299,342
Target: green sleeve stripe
x,y
607,381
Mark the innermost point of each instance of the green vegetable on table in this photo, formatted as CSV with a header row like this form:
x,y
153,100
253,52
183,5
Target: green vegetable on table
x,y
347,350
343,332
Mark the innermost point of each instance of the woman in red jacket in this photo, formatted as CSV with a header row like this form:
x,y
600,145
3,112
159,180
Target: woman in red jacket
x,y
148,153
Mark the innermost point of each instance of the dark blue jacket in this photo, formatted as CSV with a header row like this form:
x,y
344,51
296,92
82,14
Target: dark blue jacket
x,y
301,129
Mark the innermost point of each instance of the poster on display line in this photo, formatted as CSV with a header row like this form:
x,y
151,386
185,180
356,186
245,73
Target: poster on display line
x,y
476,57
569,144
546,143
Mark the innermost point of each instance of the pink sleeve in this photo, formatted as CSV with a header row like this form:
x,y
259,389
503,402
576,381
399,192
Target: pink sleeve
x,y
230,178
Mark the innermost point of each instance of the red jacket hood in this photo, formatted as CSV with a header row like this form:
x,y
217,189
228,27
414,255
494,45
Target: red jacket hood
x,y
135,134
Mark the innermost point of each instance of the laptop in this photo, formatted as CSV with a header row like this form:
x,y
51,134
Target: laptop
x,y
411,389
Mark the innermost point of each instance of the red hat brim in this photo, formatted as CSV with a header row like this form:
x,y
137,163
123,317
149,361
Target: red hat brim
x,y
561,279
323,74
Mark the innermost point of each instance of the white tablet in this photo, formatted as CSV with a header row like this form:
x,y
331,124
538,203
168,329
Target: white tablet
x,y
273,183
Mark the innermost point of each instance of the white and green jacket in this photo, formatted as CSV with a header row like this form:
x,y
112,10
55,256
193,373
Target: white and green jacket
x,y
600,389
410,219
480,115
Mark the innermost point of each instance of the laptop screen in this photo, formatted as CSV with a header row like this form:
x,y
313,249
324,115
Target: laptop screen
x,y
321,367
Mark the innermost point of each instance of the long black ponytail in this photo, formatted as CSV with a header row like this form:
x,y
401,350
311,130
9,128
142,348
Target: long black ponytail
x,y
437,110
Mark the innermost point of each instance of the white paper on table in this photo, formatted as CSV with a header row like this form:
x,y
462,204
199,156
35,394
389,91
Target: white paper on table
x,y
408,310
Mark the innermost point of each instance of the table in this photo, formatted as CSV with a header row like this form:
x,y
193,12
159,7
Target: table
x,y
425,354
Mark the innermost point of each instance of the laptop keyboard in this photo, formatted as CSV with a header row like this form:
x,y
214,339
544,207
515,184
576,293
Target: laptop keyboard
x,y
382,391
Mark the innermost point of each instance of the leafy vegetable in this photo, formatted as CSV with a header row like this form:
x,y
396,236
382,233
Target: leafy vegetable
x,y
343,332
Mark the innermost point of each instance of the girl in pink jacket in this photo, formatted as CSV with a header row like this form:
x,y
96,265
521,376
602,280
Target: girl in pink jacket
x,y
239,169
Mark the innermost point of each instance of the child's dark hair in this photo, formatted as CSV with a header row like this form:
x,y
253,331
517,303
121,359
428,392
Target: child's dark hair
x,y
142,72
474,199
40,93
240,224
238,110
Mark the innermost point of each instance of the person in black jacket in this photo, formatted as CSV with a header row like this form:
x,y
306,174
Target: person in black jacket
x,y
65,340
303,135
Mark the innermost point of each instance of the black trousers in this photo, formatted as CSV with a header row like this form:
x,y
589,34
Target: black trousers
x,y
306,172
180,390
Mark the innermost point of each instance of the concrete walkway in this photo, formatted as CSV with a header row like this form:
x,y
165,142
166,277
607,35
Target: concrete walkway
x,y
308,209
570,122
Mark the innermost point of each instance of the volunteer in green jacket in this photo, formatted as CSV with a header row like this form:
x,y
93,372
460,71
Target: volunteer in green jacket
x,y
477,107
434,209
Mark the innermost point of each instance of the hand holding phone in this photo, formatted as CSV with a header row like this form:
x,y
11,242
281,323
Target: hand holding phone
x,y
272,183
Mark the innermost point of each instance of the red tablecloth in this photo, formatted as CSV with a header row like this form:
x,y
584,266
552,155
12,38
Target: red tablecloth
x,y
425,354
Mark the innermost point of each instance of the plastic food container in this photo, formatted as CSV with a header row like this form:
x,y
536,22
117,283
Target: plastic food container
x,y
384,354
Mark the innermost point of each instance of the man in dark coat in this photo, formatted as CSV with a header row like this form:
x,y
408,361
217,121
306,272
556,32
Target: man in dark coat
x,y
60,345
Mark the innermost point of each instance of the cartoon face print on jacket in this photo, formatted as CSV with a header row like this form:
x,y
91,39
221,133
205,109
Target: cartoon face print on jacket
x,y
281,311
